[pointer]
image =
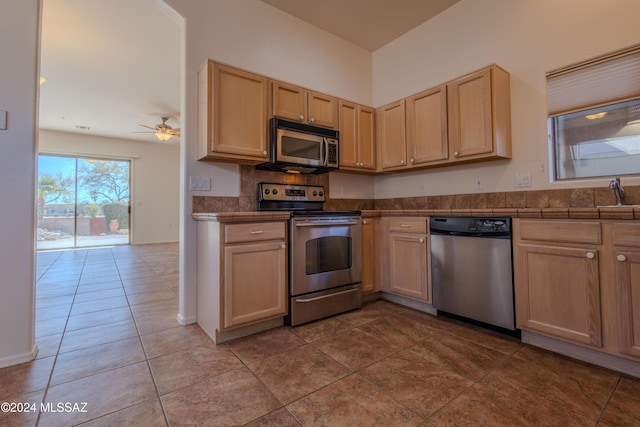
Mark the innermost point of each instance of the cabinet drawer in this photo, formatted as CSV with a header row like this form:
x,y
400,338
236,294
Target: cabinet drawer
x,y
255,231
418,225
561,231
626,234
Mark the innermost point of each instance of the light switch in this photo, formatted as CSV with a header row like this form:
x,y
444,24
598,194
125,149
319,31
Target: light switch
x,y
200,183
3,119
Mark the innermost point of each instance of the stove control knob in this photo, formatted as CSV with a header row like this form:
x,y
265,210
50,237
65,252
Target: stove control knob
x,y
267,191
315,193
275,191
321,194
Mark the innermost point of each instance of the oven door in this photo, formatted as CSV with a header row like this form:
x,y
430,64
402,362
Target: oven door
x,y
325,253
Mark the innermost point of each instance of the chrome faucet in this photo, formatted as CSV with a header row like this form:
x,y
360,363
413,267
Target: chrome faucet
x,y
618,191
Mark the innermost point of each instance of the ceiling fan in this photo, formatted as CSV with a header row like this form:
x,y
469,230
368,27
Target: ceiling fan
x,y
162,131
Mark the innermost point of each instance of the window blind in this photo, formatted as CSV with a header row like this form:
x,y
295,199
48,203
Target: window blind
x,y
604,80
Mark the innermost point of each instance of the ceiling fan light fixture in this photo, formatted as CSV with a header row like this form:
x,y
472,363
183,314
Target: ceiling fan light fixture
x,y
163,136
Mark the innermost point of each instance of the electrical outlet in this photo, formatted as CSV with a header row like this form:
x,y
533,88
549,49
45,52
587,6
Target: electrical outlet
x,y
479,183
523,180
3,119
200,183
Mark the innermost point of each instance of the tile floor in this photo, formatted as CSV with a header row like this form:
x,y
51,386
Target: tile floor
x,y
107,332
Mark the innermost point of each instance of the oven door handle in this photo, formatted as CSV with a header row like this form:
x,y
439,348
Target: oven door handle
x,y
303,300
324,224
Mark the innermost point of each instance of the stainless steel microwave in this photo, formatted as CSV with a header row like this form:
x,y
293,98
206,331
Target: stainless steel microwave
x,y
301,148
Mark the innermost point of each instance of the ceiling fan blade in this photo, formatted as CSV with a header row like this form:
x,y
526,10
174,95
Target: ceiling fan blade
x,y
142,131
148,127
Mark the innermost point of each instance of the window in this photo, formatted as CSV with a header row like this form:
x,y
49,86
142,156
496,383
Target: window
x,y
594,117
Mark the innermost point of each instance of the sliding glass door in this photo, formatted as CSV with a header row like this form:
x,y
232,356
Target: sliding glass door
x,y
82,202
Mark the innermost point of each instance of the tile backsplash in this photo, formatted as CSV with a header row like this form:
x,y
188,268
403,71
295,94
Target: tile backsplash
x,y
563,198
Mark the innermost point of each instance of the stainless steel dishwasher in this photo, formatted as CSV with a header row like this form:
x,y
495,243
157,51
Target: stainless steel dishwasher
x,y
472,270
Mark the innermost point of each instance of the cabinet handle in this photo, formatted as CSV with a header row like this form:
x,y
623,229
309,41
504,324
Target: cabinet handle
x,y
312,119
405,226
421,240
413,160
264,153
591,255
256,232
301,117
283,246
456,153
364,221
621,258
402,162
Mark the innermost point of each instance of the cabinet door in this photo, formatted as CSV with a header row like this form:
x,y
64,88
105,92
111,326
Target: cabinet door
x,y
470,131
408,265
392,144
627,268
240,102
559,293
370,282
323,110
348,135
289,102
427,127
254,283
367,138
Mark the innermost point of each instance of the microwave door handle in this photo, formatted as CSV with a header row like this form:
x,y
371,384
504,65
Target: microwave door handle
x,y
325,150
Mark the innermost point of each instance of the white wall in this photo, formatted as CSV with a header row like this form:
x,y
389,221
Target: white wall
x,y
19,29
252,35
527,38
155,175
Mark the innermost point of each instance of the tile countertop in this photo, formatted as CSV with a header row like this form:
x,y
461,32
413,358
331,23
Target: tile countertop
x,y
614,213
230,217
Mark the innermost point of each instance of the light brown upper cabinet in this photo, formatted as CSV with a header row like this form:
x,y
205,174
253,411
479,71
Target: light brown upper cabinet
x,y
391,136
479,110
233,109
427,127
305,106
357,137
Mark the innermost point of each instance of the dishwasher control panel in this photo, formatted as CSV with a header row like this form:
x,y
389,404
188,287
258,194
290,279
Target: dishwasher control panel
x,y
458,225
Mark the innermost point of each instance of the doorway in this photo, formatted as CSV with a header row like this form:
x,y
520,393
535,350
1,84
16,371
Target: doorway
x,y
82,202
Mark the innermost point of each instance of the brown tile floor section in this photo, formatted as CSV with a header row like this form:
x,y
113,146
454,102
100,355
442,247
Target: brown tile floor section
x,y
108,336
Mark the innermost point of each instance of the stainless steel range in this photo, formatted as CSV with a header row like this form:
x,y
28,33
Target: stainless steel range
x,y
325,251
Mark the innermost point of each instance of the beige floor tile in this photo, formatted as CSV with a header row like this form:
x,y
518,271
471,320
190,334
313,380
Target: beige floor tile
x,y
265,344
64,300
53,312
624,407
147,414
422,386
48,346
315,331
25,378
233,398
355,348
103,304
499,342
50,326
186,367
97,318
93,360
98,295
303,371
156,316
146,287
94,287
151,296
57,291
87,337
103,393
352,401
397,330
176,339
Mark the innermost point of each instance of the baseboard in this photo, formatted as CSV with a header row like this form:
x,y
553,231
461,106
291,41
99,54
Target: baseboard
x,y
186,320
371,296
19,358
248,330
605,360
409,302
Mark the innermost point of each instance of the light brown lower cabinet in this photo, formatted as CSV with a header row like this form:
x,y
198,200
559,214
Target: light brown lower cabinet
x,y
242,276
370,255
579,282
407,263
